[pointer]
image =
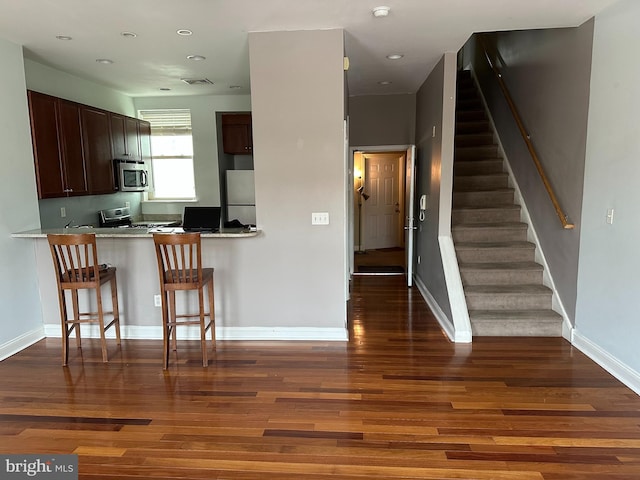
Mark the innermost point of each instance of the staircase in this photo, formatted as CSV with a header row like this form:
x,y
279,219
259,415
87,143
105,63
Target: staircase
x,y
502,282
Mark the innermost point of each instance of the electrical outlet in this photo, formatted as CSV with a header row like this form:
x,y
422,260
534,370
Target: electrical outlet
x,y
157,300
127,204
63,212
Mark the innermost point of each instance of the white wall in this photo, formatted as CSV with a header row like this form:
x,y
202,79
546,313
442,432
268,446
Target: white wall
x,y
21,318
205,142
297,83
608,274
44,79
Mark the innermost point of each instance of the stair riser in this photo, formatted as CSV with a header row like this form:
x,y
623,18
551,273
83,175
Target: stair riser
x,y
478,167
471,153
482,199
521,329
492,255
508,301
474,140
468,104
463,127
489,234
481,182
501,277
470,115
485,216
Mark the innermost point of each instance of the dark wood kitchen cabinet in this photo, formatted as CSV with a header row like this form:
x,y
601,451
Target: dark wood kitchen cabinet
x,y
237,138
74,145
56,131
97,150
130,137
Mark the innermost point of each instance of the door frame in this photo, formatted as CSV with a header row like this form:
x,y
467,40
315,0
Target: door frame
x,y
351,179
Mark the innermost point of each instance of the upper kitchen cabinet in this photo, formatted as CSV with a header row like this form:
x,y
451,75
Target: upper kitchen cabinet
x,y
144,130
129,136
56,131
97,150
236,134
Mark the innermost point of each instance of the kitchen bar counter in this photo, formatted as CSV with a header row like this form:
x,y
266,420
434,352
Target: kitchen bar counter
x,y
133,232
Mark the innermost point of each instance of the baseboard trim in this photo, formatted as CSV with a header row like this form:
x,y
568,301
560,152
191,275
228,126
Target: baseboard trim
x,y
620,370
141,332
441,317
20,343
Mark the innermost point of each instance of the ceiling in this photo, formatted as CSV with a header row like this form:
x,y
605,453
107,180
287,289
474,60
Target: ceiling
x,y
155,59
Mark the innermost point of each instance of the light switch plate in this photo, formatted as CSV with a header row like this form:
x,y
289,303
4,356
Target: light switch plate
x,y
320,218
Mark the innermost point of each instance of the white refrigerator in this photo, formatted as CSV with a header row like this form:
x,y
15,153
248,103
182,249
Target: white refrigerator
x,y
241,196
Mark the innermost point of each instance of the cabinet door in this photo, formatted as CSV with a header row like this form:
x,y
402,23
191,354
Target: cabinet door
x,y
118,136
236,134
97,150
46,148
144,129
133,146
70,137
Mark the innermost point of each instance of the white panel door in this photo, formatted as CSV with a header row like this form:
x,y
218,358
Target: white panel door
x,y
382,209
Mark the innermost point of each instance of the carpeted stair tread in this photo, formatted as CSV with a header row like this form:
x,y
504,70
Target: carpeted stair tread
x,y
530,315
508,289
501,266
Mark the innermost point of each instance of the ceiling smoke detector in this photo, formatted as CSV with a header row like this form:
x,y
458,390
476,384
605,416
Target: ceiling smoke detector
x,y
381,11
197,81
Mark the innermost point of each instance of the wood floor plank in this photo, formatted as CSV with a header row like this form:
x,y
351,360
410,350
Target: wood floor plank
x,y
398,401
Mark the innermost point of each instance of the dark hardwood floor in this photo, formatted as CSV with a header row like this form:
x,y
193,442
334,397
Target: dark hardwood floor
x,y
398,401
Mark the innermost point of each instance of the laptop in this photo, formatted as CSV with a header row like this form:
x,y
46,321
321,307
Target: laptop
x,y
201,219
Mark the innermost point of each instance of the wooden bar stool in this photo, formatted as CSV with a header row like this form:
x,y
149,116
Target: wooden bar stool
x,y
75,260
180,268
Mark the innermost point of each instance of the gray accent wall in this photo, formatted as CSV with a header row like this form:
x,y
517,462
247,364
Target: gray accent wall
x,y
608,281
382,120
548,75
21,318
430,113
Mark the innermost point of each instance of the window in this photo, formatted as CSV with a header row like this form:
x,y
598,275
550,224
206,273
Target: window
x,y
171,153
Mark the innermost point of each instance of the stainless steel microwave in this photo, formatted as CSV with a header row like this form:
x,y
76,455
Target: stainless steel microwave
x,y
132,176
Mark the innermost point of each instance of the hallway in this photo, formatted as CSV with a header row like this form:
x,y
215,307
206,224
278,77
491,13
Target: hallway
x,y
397,401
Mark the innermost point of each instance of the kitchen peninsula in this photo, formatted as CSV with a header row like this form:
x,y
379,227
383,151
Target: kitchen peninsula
x,y
131,251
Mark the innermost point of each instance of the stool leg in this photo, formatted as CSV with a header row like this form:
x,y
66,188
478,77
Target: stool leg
x,y
103,339
166,331
173,319
212,314
65,327
116,311
76,317
203,331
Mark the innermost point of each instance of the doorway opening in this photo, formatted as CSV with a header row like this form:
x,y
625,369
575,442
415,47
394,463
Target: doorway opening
x,y
381,208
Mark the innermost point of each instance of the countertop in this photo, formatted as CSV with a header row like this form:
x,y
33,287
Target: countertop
x,y
132,232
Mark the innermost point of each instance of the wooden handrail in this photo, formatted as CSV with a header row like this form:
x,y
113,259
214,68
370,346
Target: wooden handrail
x,y
564,219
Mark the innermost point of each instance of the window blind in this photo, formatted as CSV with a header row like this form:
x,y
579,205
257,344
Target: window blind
x,y
168,121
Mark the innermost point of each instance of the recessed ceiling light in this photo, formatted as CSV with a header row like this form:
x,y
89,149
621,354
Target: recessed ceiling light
x,y
395,56
184,32
64,37
129,34
196,58
104,61
381,11
384,82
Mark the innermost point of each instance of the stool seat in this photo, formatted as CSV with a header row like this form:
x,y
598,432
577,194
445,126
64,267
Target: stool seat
x,y
75,261
180,269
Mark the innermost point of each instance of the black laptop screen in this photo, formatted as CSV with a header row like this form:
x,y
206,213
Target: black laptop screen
x,y
201,219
